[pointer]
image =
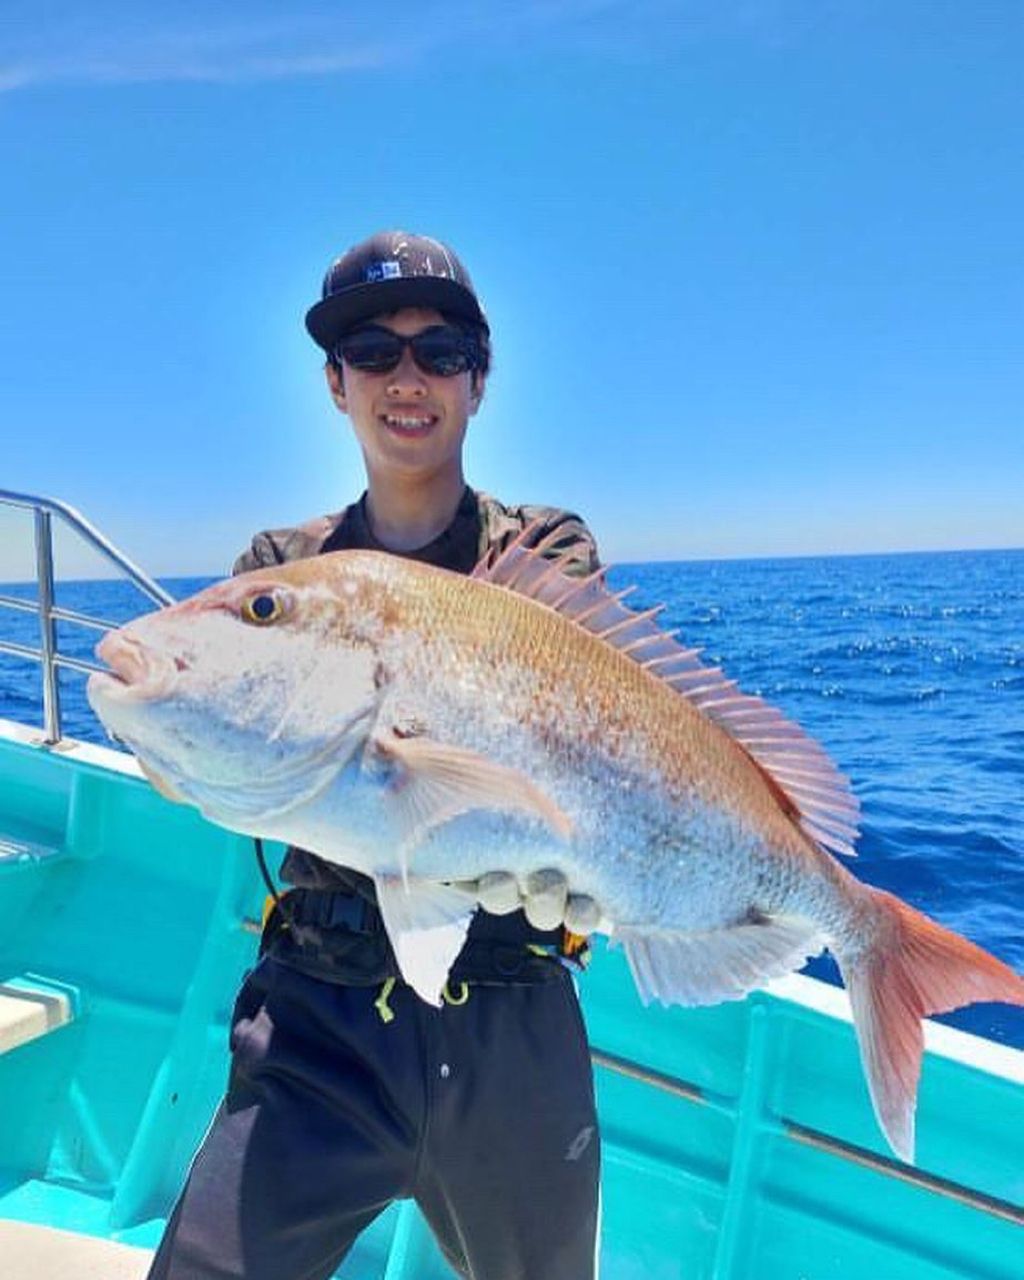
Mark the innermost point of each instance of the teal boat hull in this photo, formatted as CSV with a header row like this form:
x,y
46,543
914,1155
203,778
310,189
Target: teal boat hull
x,y
738,1141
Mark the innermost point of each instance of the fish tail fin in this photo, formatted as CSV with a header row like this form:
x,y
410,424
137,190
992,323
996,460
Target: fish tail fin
x,y
912,968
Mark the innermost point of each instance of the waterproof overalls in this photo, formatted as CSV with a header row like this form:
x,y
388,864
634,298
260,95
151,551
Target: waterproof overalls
x,y
347,1091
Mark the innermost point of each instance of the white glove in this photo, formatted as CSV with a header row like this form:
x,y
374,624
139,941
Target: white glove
x,y
545,898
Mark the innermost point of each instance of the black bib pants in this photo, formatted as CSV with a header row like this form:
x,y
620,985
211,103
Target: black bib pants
x,y
347,1092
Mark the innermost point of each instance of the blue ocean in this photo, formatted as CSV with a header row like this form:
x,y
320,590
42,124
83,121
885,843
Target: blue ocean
x,y
908,668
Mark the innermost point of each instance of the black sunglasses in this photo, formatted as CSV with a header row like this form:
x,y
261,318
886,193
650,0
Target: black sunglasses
x,y
441,350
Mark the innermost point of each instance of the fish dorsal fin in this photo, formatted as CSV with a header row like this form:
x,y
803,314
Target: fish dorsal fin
x,y
798,770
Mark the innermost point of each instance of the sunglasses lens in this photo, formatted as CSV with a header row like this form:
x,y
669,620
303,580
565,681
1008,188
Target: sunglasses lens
x,y
371,350
442,352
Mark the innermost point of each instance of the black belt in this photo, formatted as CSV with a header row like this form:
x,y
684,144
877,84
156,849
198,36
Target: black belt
x,y
331,909
340,937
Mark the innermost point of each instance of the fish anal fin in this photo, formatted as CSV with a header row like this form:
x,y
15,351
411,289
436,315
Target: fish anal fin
x,y
426,923
699,968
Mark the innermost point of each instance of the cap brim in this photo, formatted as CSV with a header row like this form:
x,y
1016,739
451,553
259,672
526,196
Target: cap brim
x,y
328,320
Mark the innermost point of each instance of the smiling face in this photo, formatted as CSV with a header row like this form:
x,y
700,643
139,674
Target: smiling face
x,y
407,420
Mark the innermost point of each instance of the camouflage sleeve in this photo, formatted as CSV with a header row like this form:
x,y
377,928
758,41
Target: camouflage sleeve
x,y
574,541
259,554
277,546
500,524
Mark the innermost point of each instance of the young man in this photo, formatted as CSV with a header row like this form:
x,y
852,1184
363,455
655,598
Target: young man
x,y
347,1091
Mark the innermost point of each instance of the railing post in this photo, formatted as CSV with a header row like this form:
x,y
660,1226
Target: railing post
x,y
48,645
733,1250
43,510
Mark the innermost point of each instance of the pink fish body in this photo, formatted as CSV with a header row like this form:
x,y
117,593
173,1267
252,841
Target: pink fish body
x,y
427,728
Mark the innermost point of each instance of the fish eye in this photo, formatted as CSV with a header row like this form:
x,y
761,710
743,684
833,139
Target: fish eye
x,y
262,608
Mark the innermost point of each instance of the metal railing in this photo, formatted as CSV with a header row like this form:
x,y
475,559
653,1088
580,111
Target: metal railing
x,y
44,509
836,1147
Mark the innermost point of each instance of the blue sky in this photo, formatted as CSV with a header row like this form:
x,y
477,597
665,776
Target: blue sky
x,y
753,267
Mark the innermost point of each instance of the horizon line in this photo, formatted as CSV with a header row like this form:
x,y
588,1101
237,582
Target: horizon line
x,y
610,566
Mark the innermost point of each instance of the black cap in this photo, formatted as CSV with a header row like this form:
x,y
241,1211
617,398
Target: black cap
x,y
392,269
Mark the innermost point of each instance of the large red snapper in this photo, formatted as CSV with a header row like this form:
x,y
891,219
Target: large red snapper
x,y
427,728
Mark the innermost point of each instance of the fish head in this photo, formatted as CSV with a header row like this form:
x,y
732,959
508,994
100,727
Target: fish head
x,y
247,696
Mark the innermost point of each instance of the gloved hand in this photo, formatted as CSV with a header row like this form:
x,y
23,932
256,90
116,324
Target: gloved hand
x,y
545,898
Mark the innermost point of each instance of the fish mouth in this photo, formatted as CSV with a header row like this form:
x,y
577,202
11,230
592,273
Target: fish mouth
x,y
136,672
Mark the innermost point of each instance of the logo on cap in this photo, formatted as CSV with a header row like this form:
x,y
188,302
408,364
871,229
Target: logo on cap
x,y
382,270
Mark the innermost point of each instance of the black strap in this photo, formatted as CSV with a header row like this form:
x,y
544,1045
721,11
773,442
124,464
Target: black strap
x,y
264,871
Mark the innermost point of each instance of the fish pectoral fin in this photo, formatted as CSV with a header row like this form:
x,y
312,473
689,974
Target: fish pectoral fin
x,y
718,964
434,783
426,923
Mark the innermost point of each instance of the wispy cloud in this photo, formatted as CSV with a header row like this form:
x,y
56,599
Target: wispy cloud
x,y
104,50
106,44
124,68
15,77
130,66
